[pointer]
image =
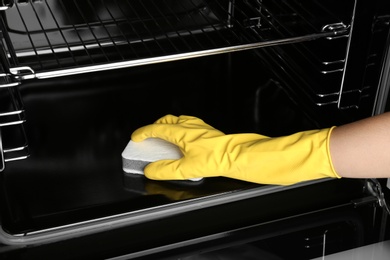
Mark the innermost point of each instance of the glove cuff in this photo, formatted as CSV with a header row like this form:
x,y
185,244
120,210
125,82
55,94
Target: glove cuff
x,y
336,175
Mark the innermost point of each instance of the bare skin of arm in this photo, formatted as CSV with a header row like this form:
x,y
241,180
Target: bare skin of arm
x,y
362,149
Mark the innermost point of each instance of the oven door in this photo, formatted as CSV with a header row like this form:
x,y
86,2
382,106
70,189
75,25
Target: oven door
x,y
301,221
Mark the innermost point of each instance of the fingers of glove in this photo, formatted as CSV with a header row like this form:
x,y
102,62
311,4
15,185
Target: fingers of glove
x,y
168,119
171,119
185,121
164,170
166,132
194,123
178,134
149,130
152,130
141,133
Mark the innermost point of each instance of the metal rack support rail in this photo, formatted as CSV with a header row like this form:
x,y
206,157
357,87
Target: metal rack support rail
x,y
12,119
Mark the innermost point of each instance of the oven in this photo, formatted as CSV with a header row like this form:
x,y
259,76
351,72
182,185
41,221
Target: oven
x,y
78,77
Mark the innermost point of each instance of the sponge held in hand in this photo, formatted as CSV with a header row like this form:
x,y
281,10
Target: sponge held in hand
x,y
137,155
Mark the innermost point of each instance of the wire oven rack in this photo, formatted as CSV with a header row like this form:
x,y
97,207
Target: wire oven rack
x,y
52,38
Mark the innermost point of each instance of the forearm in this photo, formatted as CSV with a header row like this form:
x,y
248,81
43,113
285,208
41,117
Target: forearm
x,y
362,149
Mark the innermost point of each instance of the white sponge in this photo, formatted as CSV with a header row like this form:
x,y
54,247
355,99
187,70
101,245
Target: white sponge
x,y
137,155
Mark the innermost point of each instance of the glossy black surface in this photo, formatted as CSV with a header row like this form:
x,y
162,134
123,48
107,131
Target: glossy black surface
x,y
294,220
77,128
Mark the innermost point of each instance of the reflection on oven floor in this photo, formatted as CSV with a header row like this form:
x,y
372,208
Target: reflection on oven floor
x,y
242,252
377,251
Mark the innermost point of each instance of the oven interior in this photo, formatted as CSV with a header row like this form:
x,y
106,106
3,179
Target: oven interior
x,y
78,127
80,76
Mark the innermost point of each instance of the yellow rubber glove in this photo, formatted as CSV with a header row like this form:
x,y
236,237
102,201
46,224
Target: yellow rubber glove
x,y
250,157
